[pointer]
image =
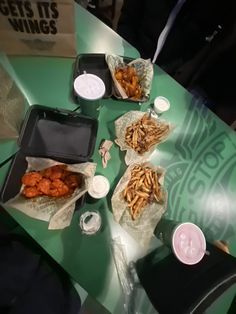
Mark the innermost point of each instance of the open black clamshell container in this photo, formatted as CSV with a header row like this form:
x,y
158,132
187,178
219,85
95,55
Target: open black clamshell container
x,y
95,63
58,134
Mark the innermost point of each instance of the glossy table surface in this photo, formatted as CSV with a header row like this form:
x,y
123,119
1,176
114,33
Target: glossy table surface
x,y
199,158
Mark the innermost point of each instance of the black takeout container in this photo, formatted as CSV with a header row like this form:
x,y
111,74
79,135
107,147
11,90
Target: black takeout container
x,y
95,63
62,135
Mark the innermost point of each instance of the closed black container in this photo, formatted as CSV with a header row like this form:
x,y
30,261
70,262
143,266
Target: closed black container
x,y
58,134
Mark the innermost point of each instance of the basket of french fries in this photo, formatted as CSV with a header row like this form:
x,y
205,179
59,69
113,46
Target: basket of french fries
x,y
139,200
139,134
132,80
50,189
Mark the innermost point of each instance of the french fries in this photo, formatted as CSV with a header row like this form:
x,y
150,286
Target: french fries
x,y
144,133
143,188
129,81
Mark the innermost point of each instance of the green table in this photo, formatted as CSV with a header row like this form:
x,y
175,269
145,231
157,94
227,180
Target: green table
x,y
47,81
199,157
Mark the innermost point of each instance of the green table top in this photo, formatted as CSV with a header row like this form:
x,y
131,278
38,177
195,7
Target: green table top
x,y
199,158
47,81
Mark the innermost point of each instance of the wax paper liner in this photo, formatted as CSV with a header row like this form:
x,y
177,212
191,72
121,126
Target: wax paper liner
x,y
143,227
12,106
57,211
144,70
121,125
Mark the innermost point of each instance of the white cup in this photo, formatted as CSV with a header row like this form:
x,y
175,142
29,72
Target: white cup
x,y
188,243
99,186
161,104
89,89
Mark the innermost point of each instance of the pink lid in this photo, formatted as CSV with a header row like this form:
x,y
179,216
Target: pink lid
x,y
188,243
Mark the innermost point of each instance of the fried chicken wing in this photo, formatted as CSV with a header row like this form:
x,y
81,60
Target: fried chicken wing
x,y
58,188
54,172
58,172
31,192
31,178
54,181
44,186
73,180
129,81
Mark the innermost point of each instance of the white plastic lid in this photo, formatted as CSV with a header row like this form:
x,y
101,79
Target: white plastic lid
x,y
99,187
89,86
161,104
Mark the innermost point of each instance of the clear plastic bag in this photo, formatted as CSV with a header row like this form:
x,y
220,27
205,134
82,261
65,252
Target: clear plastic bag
x,y
127,276
12,106
136,300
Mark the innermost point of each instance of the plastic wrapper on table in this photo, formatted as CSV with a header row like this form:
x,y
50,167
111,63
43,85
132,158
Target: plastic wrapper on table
x,y
144,70
134,297
142,228
57,211
121,125
125,278
12,106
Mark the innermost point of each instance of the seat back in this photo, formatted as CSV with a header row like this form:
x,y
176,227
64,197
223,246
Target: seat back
x,y
174,287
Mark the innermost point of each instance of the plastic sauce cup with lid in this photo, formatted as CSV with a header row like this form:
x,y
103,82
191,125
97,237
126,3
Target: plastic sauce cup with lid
x,y
161,104
90,222
98,187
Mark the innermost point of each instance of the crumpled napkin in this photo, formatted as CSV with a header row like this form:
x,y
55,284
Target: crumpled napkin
x,y
104,152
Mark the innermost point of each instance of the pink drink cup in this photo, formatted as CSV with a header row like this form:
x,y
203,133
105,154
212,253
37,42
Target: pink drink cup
x,y
188,243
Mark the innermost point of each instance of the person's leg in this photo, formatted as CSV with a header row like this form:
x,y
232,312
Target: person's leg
x,y
31,282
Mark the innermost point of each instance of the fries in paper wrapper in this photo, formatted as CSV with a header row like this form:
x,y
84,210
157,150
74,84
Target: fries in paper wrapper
x,y
134,85
139,135
139,200
58,211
